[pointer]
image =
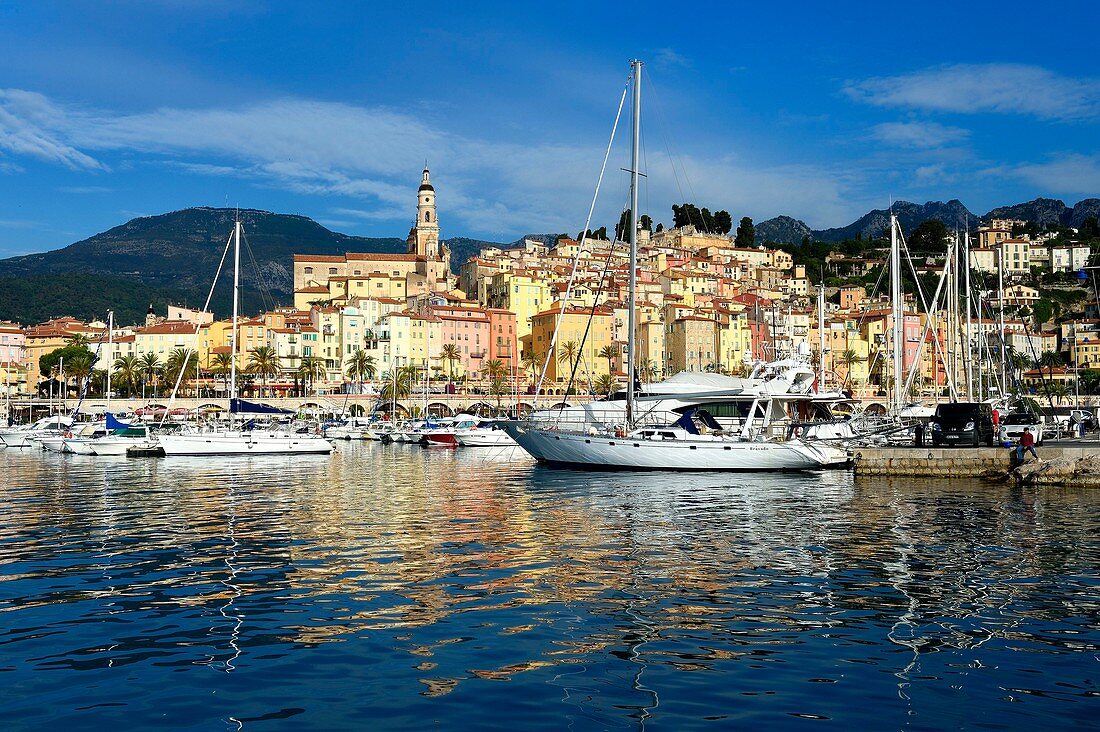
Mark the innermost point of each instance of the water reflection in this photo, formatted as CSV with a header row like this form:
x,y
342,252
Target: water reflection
x,y
411,585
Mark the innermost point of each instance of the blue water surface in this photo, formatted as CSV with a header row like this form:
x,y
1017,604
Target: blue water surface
x,y
393,587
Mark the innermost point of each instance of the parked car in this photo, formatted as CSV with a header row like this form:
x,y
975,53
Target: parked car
x,y
963,423
1012,426
1075,418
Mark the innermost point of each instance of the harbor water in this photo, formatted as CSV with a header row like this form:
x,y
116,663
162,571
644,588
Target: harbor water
x,y
393,587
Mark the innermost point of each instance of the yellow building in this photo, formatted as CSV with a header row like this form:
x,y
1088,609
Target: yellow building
x,y
573,324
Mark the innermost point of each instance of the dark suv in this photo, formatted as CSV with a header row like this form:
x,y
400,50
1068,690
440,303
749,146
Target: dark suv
x,y
963,423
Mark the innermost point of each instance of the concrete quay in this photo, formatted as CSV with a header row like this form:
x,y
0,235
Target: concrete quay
x,y
1075,463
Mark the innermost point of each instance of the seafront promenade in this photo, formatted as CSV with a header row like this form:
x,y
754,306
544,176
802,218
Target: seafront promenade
x,y
353,404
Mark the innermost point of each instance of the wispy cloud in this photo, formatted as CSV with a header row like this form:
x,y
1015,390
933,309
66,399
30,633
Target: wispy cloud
x,y
84,189
373,155
1002,88
669,57
32,125
921,135
1063,174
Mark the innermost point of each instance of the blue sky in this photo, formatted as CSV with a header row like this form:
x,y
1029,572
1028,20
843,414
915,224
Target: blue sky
x,y
114,109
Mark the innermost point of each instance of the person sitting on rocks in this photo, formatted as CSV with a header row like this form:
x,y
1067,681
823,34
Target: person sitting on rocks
x,y
1026,444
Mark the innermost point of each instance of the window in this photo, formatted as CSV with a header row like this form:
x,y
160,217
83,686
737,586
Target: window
x,y
427,216
308,270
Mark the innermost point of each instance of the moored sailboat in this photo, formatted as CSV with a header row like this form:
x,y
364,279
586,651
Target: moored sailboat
x,y
637,443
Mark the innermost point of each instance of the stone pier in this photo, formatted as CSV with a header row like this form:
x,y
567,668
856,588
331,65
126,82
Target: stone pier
x,y
1058,465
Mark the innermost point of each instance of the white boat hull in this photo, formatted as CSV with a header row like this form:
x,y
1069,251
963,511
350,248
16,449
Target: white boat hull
x,y
630,453
485,438
244,443
79,446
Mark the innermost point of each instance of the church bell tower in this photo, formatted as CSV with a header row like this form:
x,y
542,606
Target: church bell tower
x,y
423,240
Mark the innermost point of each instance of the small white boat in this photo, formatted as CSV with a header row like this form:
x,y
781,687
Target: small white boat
x,y
29,435
485,434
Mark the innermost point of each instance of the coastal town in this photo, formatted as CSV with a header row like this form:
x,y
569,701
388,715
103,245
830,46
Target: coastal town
x,y
707,302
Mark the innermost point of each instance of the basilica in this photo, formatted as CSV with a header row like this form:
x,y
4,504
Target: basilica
x,y
424,268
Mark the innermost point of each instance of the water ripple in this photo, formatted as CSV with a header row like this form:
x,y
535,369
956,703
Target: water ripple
x,y
475,590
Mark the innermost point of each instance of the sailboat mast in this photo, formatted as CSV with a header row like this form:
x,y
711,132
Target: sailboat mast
x,y
969,325
110,347
1001,315
898,311
821,337
635,146
236,289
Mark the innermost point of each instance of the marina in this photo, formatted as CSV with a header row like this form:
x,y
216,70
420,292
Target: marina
x,y
478,590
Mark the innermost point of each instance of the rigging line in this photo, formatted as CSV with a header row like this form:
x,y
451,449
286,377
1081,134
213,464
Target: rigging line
x,y
655,105
266,298
580,248
193,348
588,326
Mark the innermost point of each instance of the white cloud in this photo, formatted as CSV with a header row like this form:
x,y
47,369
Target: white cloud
x,y
32,125
1063,174
669,57
918,134
374,155
969,88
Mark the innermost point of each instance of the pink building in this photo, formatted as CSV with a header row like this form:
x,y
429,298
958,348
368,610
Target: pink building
x,y
468,329
12,342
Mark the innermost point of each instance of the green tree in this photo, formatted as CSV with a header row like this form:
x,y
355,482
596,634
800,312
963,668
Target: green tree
x,y
1043,311
604,385
646,222
221,364
398,384
495,369
361,366
848,359
746,233
150,366
609,352
263,362
127,373
531,362
622,229
723,222
309,371
929,236
568,353
80,367
451,354
498,387
181,360
66,357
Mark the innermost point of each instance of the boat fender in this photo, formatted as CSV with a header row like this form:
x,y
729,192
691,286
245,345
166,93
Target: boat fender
x,y
620,433
68,434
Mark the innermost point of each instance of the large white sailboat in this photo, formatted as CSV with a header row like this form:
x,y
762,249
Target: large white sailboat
x,y
620,435
234,440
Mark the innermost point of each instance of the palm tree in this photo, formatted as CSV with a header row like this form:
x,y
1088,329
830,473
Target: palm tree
x,y
568,352
79,367
221,364
531,362
263,362
848,359
128,372
149,363
498,388
360,366
609,352
450,354
310,370
77,340
647,370
181,361
495,369
605,384
1059,391
398,384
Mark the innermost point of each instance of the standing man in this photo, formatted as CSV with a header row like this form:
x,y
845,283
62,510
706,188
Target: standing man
x,y
1027,443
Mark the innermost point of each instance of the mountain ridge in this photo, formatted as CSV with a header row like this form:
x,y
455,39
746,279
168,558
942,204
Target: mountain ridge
x,y
172,257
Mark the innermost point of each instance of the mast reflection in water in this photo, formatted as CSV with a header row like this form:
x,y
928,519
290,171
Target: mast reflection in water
x,y
394,587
